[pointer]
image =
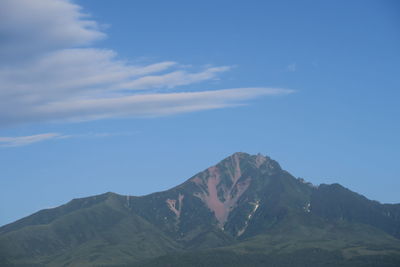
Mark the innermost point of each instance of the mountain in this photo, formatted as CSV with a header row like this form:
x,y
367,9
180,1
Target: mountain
x,y
244,210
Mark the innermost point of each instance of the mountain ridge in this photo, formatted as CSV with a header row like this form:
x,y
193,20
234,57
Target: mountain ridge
x,y
242,201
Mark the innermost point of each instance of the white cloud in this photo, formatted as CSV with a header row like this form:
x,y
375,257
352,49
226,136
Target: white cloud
x,y
48,72
149,104
31,27
27,140
174,79
31,139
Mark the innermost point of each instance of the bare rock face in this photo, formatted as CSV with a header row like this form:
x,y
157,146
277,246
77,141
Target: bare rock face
x,y
228,196
242,198
175,205
224,184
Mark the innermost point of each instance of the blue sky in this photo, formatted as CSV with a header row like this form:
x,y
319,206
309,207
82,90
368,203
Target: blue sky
x,y
138,96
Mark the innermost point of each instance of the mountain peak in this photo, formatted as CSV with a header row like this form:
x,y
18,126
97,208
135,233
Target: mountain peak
x,y
256,161
221,186
244,199
240,154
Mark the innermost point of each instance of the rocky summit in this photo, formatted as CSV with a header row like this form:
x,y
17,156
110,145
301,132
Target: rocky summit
x,y
244,210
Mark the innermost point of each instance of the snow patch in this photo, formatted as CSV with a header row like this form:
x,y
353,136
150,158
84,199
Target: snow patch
x,y
255,207
307,208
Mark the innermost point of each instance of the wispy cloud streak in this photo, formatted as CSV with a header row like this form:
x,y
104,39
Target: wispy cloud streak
x,y
27,140
49,72
18,141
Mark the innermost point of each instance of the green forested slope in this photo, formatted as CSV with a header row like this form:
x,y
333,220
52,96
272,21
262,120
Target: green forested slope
x,y
243,211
